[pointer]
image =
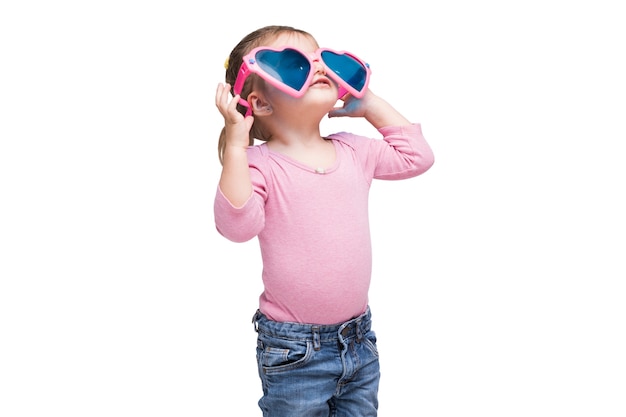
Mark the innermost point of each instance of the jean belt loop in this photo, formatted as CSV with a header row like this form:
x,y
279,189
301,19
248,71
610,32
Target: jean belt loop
x,y
359,331
316,337
255,320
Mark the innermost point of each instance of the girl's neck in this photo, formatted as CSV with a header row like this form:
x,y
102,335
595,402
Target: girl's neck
x,y
314,151
295,133
295,140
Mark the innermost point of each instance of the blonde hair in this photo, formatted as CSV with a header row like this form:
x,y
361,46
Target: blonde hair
x,y
233,63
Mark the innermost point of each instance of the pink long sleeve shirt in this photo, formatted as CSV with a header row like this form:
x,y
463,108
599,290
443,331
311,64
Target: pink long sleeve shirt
x,y
313,227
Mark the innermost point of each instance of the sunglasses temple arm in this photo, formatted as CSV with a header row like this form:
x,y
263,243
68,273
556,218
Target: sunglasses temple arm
x,y
341,92
246,105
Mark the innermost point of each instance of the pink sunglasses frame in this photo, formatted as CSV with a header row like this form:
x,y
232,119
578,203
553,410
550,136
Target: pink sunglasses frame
x,y
249,66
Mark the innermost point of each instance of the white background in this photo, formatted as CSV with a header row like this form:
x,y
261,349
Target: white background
x,y
498,275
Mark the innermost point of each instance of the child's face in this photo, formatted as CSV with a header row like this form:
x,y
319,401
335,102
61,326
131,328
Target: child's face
x,y
322,92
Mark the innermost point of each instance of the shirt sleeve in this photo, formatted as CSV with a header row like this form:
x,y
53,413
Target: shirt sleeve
x,y
403,153
240,224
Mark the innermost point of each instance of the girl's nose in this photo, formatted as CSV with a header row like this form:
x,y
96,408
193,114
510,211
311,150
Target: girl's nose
x,y
318,67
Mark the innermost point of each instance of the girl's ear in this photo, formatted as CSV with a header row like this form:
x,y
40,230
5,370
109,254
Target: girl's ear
x,y
259,104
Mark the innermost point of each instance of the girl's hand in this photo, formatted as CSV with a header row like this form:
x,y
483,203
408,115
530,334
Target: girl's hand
x,y
237,126
371,107
352,107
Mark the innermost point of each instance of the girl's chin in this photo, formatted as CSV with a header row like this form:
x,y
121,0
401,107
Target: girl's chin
x,y
319,101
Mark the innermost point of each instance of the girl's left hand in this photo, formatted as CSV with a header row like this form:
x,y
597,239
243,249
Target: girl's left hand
x,y
373,108
352,106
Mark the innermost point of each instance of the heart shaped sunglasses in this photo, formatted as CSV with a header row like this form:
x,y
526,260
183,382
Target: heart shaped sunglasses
x,y
291,70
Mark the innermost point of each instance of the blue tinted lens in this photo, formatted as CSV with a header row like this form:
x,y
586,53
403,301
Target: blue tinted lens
x,y
287,66
347,68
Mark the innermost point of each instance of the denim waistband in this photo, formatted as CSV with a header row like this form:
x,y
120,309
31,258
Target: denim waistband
x,y
355,327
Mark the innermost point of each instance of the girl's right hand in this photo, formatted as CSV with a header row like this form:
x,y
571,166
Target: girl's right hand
x,y
237,126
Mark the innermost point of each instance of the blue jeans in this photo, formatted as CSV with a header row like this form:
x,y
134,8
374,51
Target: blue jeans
x,y
318,371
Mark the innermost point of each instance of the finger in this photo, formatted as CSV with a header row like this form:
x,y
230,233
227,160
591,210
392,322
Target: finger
x,y
232,106
222,99
222,90
337,112
249,121
218,93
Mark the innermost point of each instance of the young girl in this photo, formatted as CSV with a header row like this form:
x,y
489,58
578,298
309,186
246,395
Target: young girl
x,y
305,197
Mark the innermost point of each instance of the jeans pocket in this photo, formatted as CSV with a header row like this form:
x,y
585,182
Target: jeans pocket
x,y
370,341
276,355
